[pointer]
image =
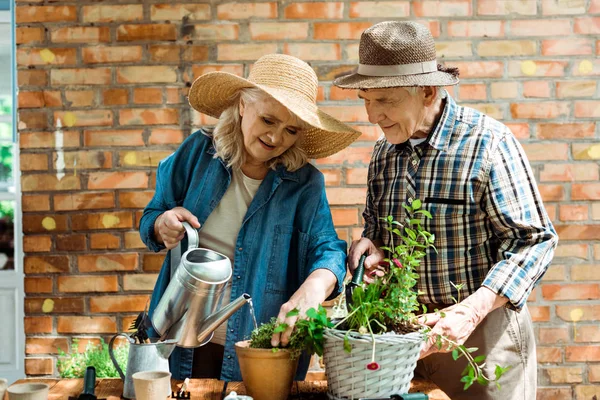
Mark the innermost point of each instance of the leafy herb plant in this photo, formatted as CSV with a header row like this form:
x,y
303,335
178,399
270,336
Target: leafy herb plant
x,y
73,365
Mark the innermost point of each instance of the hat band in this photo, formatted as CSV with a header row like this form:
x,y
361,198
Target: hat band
x,y
397,70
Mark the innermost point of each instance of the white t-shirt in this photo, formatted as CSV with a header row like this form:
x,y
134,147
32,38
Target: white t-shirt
x,y
221,228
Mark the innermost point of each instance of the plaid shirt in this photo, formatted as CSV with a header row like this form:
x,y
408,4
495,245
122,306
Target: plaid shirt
x,y
489,222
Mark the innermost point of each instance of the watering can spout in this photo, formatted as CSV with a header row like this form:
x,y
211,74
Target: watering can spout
x,y
212,322
166,348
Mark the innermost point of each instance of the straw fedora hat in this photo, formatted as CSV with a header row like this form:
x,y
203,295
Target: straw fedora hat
x,y
291,82
397,53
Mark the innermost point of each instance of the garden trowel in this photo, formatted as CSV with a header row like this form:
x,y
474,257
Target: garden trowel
x,y
356,281
89,385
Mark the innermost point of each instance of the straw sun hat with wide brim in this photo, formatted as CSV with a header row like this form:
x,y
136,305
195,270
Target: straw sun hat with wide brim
x,y
397,54
291,82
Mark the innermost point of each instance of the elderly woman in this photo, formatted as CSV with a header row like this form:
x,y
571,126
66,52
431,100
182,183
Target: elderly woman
x,y
247,186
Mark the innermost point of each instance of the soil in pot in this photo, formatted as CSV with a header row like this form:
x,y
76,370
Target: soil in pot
x,y
267,374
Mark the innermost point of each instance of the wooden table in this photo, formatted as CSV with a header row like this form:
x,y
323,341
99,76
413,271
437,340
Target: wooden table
x,y
209,389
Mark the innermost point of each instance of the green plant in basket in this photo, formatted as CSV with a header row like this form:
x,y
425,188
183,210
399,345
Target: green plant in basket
x,y
74,364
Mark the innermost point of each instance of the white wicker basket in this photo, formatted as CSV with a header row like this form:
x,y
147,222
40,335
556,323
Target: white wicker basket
x,y
347,375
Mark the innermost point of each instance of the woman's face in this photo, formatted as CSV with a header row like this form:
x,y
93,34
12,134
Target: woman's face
x,y
269,129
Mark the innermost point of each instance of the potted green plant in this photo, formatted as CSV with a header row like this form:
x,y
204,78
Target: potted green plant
x,y
373,350
268,372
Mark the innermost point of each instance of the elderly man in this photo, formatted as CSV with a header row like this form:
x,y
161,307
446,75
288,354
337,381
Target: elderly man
x,y
493,235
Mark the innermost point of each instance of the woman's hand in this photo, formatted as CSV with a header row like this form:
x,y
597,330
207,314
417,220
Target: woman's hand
x,y
311,294
168,227
374,257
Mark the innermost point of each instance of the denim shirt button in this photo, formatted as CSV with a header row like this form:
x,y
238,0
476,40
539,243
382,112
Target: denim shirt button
x,y
239,277
229,357
240,248
231,330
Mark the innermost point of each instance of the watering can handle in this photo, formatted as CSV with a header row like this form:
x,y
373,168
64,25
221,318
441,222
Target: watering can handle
x,y
193,241
112,355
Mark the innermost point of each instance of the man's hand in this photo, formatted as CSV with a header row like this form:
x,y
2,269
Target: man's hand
x,y
459,321
313,292
168,227
374,257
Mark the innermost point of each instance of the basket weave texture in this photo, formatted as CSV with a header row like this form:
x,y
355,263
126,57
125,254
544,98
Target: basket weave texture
x,y
347,375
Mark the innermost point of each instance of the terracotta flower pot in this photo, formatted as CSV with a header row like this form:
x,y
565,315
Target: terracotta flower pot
x,y
267,375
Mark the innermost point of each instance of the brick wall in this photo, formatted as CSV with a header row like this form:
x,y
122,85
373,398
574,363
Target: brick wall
x,y
115,73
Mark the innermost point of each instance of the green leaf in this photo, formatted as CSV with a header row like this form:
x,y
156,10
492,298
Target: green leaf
x,y
416,204
280,328
455,354
347,346
292,313
472,349
479,359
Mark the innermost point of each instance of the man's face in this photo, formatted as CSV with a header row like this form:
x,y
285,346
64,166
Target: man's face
x,y
396,111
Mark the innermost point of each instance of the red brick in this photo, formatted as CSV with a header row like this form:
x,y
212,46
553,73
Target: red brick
x,y
479,69
84,201
27,35
115,97
196,53
176,12
594,373
86,325
38,285
564,374
553,393
589,191
472,92
578,232
32,77
540,27
555,273
570,212
136,199
537,68
566,130
344,216
37,119
54,305
587,391
114,304
39,366
504,90
549,354
585,272
536,89
575,89
34,162
540,110
111,54
139,282
44,223
218,32
142,158
46,182
147,74
160,136
84,118
446,8
112,13
38,325
543,152
571,291
133,240
379,9
356,176
108,220
138,32
506,7
572,251
46,264
585,151
314,51
570,172
108,262
113,138
278,30
80,34
247,10
149,116
476,28
25,14
71,242
249,51
319,10
539,313
339,30
103,241
86,284
566,47
147,95
557,7
586,333
118,180
46,345
153,262
333,176
38,243
80,98
587,109
80,76
587,26
553,335
165,53
346,196
582,353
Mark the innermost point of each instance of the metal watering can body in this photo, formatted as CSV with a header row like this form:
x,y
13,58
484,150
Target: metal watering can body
x,y
152,356
189,309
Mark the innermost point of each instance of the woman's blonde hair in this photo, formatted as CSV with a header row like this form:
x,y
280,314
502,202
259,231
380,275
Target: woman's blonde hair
x,y
228,138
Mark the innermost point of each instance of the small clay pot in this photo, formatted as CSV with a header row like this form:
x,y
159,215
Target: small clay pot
x,y
267,374
28,391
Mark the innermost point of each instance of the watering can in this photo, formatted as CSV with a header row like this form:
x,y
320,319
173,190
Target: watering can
x,y
153,356
190,310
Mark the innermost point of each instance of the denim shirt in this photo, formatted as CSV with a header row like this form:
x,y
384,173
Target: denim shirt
x,y
287,234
